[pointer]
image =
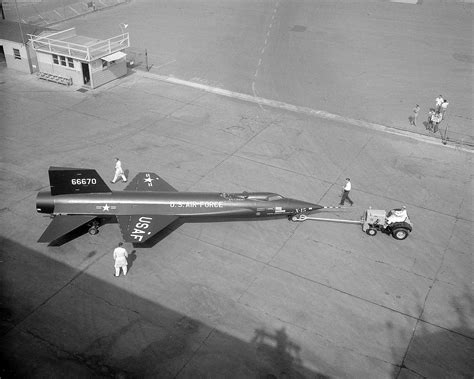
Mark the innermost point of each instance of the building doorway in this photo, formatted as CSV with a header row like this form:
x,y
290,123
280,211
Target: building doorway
x,y
85,73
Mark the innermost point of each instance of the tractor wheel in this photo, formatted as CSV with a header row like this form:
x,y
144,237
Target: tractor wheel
x,y
371,232
400,233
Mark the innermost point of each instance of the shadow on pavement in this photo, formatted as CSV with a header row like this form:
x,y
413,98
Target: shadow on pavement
x,y
435,352
58,321
132,256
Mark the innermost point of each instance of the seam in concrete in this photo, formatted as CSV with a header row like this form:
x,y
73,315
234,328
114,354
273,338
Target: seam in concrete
x,y
19,324
302,110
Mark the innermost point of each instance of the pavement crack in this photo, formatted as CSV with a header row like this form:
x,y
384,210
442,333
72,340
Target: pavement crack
x,y
203,342
104,300
59,290
93,364
419,318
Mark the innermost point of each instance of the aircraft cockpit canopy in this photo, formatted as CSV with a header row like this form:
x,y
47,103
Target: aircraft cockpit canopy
x,y
274,197
263,196
234,196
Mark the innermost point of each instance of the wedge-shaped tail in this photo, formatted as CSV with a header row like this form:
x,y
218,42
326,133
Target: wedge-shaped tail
x,y
64,181
67,181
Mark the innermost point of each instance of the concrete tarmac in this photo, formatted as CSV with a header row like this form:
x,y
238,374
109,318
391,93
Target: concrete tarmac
x,y
233,299
367,60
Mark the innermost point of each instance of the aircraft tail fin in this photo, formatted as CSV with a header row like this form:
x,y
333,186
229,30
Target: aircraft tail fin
x,y
64,180
149,181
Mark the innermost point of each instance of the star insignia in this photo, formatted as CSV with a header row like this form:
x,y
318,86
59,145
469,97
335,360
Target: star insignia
x,y
105,208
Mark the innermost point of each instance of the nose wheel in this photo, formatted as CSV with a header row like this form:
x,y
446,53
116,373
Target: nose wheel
x,y
94,228
298,217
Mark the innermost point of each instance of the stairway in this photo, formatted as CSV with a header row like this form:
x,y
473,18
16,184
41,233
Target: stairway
x,y
55,78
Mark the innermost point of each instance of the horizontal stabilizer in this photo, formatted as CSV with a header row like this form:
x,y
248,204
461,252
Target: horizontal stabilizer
x,y
138,229
148,181
64,181
61,225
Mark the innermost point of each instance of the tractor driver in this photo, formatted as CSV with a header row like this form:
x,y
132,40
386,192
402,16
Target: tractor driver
x,y
397,215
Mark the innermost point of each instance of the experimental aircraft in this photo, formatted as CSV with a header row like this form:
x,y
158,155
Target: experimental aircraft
x,y
79,197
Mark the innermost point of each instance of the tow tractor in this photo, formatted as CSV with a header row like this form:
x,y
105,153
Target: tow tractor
x,y
395,222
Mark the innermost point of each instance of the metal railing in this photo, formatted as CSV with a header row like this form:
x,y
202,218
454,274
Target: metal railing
x,y
87,53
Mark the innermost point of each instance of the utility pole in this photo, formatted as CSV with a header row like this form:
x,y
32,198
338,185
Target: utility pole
x,y
19,23
146,60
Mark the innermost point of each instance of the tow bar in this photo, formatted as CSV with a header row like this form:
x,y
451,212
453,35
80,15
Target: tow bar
x,y
303,217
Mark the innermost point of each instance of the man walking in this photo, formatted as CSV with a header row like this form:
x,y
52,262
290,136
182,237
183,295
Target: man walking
x,y
416,110
439,100
345,193
118,171
444,107
120,258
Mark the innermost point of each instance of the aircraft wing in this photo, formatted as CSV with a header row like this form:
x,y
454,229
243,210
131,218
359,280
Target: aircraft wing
x,y
61,225
138,229
148,181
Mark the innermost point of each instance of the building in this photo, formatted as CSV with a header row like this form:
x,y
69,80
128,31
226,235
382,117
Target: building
x,y
14,45
80,60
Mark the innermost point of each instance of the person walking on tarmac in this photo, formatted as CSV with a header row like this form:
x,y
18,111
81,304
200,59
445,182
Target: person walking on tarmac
x,y
345,193
416,111
438,102
118,172
444,107
120,258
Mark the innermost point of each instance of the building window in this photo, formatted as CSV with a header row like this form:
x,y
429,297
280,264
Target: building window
x,y
16,53
63,61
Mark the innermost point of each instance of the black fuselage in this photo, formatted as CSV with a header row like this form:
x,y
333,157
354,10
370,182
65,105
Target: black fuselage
x,y
181,204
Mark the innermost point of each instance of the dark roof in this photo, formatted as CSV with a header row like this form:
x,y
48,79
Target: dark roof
x,y
10,30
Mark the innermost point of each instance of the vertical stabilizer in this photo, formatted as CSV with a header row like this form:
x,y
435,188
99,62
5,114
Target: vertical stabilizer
x,y
65,180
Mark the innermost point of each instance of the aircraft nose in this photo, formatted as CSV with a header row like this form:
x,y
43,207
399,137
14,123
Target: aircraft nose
x,y
44,202
311,206
298,204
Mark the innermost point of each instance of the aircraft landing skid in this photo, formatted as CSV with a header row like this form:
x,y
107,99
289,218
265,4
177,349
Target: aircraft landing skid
x,y
303,217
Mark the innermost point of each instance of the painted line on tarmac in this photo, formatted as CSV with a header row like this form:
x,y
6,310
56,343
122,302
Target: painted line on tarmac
x,y
414,2
304,110
167,63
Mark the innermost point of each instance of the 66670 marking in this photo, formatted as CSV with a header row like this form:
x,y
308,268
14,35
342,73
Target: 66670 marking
x,y
83,181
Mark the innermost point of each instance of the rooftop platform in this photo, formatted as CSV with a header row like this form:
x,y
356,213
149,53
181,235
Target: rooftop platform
x,y
69,44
